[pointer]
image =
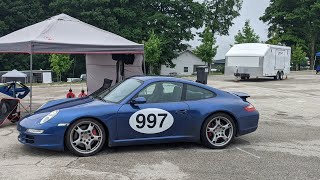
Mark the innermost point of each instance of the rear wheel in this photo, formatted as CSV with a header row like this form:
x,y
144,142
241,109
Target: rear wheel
x,y
218,131
85,137
281,75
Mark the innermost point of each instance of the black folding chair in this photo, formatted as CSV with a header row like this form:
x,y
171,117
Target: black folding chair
x,y
9,110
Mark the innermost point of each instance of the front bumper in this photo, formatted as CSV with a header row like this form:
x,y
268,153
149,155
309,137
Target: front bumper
x,y
52,138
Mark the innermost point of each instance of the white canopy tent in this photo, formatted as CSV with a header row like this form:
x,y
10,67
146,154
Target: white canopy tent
x,y
63,34
14,74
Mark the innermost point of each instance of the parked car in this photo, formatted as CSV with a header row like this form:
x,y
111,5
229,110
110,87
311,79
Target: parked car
x,y
83,77
141,110
317,69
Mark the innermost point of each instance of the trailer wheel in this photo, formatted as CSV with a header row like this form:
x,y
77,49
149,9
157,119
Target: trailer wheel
x,y
278,76
281,75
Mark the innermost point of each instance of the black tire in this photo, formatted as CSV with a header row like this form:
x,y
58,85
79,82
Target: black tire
x,y
99,128
205,136
243,77
281,75
278,76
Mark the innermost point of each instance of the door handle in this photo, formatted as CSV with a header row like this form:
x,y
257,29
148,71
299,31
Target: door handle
x,y
182,111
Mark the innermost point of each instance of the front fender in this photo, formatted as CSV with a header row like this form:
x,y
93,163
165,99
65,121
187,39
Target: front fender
x,y
107,115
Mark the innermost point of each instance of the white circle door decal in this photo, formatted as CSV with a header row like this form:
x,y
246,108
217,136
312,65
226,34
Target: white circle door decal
x,y
151,120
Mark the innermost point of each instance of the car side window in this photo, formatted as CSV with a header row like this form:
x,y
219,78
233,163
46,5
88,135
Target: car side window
x,y
160,92
197,93
147,91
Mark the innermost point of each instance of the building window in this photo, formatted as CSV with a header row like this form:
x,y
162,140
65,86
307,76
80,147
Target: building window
x,y
185,69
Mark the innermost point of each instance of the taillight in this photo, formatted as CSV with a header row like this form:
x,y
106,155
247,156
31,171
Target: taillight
x,y
250,108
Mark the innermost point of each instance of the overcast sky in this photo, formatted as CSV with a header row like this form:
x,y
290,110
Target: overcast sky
x,y
252,10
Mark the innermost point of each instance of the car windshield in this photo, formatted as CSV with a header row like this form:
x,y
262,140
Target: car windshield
x,y
121,91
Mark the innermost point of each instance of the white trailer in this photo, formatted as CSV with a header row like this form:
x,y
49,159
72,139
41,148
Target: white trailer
x,y
258,60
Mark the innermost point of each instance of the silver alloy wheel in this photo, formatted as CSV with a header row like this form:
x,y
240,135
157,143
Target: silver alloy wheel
x,y
86,137
219,131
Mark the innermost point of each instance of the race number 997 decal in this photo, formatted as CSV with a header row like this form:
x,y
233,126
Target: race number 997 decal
x,y
151,121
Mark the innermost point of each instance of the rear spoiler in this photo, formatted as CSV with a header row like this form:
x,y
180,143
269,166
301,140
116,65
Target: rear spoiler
x,y
243,96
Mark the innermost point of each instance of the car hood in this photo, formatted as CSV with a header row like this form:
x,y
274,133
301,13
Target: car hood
x,y
70,110
67,103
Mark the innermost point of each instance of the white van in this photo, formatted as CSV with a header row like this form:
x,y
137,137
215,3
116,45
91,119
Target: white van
x,y
258,60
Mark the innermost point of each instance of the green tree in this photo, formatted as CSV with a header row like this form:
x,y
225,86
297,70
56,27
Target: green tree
x,y
219,14
172,21
247,35
207,50
152,50
297,22
15,15
274,39
60,64
298,56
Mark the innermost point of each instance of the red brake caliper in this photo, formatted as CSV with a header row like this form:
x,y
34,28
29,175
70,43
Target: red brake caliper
x,y
209,134
94,132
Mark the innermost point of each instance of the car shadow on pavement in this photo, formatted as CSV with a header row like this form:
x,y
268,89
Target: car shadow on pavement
x,y
32,151
253,80
167,147
152,147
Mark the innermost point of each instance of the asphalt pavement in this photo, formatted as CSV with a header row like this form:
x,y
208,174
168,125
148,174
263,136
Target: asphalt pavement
x,y
285,146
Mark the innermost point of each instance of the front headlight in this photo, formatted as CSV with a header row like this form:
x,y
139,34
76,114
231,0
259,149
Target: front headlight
x,y
49,116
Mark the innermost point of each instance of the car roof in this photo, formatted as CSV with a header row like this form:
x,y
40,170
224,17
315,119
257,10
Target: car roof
x,y
169,78
161,78
146,78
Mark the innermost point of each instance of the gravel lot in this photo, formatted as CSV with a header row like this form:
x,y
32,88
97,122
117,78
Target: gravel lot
x,y
285,146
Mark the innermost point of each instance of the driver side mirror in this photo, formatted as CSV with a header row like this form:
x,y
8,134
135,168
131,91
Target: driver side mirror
x,y
138,100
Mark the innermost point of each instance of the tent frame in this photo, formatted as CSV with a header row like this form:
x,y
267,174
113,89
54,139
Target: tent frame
x,y
31,79
31,75
40,40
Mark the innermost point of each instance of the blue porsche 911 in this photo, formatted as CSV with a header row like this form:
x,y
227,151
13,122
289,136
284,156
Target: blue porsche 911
x,y
141,110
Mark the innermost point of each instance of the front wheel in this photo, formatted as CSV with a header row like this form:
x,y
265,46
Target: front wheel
x,y
85,137
218,131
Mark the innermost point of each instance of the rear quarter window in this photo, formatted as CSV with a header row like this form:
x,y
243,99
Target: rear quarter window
x,y
197,93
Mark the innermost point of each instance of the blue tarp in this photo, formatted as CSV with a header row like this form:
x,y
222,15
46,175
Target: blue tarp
x,y
15,90
318,54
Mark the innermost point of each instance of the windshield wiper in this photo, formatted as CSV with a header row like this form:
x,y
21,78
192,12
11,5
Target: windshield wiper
x,y
101,99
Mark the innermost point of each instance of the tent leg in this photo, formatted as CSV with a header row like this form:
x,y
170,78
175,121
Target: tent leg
x,y
314,63
144,65
31,77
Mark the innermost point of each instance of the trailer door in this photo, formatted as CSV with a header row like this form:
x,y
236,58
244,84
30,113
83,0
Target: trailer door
x,y
280,59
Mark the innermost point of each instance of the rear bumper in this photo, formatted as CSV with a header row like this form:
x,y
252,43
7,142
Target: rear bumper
x,y
237,71
248,124
241,75
52,138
